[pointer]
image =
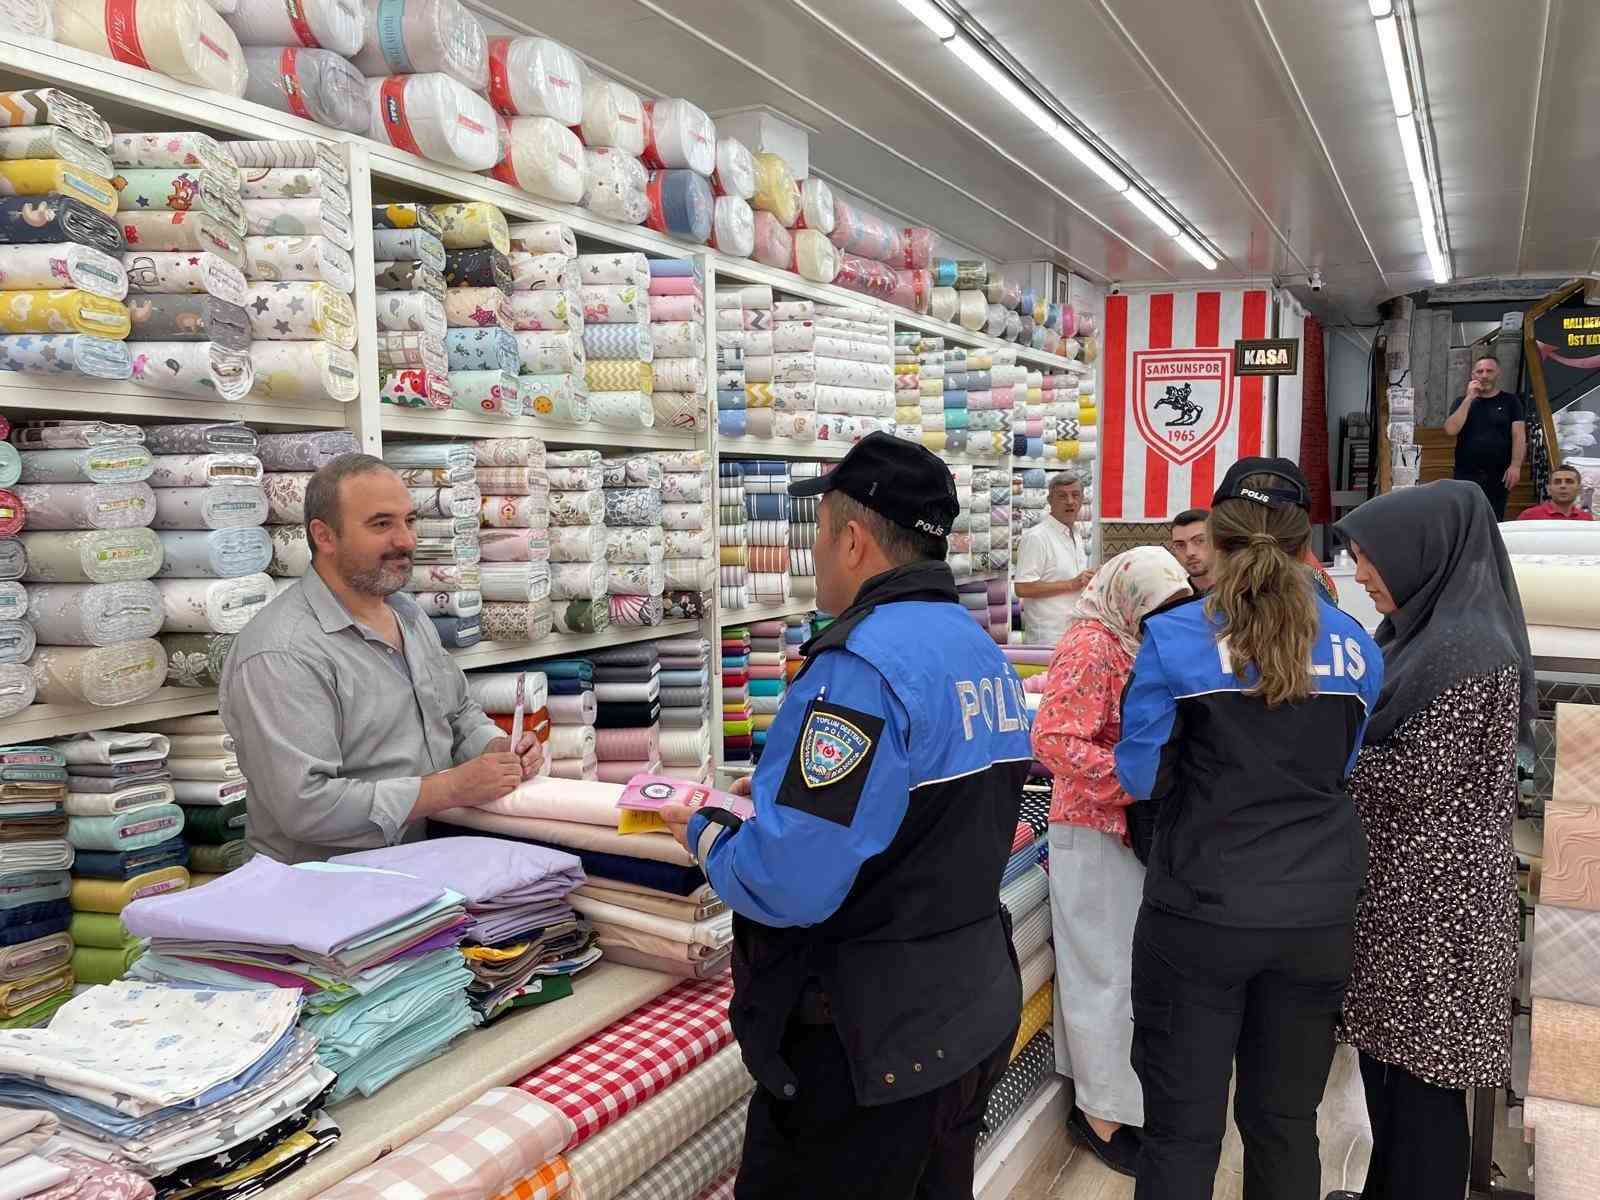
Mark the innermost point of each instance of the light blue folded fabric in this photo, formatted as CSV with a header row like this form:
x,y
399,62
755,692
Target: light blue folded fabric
x,y
132,830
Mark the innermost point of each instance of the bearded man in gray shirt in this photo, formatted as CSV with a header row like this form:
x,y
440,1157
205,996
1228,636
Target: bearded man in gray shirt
x,y
351,721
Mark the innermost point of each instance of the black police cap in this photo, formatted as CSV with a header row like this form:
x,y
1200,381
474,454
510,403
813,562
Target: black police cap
x,y
899,480
1295,489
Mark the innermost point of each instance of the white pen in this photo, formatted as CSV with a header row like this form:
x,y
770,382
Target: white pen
x,y
516,716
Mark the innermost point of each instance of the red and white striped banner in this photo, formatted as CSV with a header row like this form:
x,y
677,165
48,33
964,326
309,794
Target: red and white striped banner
x,y
1175,418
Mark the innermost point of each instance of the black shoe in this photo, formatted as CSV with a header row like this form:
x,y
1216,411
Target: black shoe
x,y
1121,1153
1344,1196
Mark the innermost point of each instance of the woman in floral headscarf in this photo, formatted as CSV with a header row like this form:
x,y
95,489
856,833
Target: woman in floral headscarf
x,y
1096,882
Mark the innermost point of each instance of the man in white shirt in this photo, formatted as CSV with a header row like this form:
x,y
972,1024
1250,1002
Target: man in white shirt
x,y
1053,565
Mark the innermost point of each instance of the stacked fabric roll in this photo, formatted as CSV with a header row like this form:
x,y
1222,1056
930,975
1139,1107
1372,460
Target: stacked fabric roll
x,y
288,461
210,788
480,346
686,708
36,962
920,414
768,676
974,597
515,541
796,632
855,366
446,566
959,543
547,315
578,542
409,262
908,385
738,724
781,370
497,694
766,500
1030,499
687,495
803,535
679,398
627,689
127,836
635,540
615,294
537,87
570,683
299,61
92,614
978,530
733,340
733,535
1060,423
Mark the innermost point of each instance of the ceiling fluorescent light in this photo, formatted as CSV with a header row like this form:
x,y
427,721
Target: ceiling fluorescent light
x,y
1151,209
1394,65
1380,8
1195,251
1001,81
932,16
1412,149
1090,157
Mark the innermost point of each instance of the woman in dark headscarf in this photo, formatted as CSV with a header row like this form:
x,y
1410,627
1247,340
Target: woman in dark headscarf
x,y
1429,1004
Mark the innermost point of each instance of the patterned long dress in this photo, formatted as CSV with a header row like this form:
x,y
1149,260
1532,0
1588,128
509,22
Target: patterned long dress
x,y
1436,929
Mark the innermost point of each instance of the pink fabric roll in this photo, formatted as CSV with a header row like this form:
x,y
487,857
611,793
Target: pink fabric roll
x,y
913,289
856,232
918,247
664,309
628,745
774,243
676,285
621,772
864,275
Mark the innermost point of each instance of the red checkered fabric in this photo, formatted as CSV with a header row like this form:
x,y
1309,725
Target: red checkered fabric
x,y
632,1059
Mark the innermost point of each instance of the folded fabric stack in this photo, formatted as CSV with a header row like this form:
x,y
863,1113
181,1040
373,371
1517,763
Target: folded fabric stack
x,y
1000,518
992,425
572,715
635,539
1059,423
582,818
619,348
855,366
686,708
376,955
977,502
803,534
768,673
480,347
497,693
738,722
409,261
35,950
57,227
627,691
687,518
515,539
547,314
679,398
733,535
427,67
127,835
578,542
959,543
766,502
781,370
1030,500
734,335
446,569
796,632
179,1086
288,461
89,556
909,378
524,942
16,639
211,789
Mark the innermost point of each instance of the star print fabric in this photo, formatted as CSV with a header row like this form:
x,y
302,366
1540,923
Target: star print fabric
x,y
181,190
622,269
300,312
182,231
180,273
65,354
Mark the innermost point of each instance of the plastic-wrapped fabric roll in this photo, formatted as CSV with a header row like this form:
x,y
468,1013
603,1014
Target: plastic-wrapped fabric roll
x,y
543,237
43,267
213,605
409,277
622,410
679,136
94,614
614,185
103,676
618,375
613,116
300,312
866,236
542,156
413,245
336,25
185,40
865,275
535,77
92,556
606,305
204,468
56,219
217,506
33,18
202,370
1087,324
476,308
816,206
546,310
913,289
733,227
468,225
487,349
774,244
546,352
214,554
736,170
973,310
300,371
579,543
435,117
681,203
917,252
776,191
414,37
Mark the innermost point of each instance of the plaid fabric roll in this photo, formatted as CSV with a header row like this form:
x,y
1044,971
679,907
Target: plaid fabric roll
x,y
694,1165
548,1182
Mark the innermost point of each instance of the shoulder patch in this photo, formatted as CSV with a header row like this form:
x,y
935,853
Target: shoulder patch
x,y
830,748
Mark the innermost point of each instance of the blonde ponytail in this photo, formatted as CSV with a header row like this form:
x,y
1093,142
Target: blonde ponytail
x,y
1269,615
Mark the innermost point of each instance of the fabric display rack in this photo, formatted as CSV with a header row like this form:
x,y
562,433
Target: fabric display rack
x,y
309,246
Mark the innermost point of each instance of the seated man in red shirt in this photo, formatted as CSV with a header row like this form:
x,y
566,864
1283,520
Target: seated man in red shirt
x,y
1565,484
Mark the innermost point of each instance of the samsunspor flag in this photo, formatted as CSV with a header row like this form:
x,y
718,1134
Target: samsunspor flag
x,y
1175,418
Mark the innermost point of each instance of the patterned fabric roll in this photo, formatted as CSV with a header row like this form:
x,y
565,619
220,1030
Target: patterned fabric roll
x,y
195,660
516,512
636,611
291,554
607,305
52,219
49,177
511,622
476,307
416,387
53,141
553,310
478,266
299,259
300,312
408,245
463,226
45,266
214,554
482,349
450,604
412,312
202,370
296,183
94,614
618,375
616,268
65,354
496,392
413,350
185,232
532,272
50,106
180,189
304,451
70,506
190,318
406,216
213,605
183,273
632,506
577,508
103,676
299,218
126,463
216,506
409,277
583,616
187,150
641,544
545,353
619,342
304,371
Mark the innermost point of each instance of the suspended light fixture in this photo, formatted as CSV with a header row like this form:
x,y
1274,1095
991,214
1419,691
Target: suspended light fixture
x,y
1401,97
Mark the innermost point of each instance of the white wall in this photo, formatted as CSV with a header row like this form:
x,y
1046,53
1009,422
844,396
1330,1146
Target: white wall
x,y
1349,375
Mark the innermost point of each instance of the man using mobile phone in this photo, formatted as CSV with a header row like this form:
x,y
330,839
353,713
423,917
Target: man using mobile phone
x,y
1491,433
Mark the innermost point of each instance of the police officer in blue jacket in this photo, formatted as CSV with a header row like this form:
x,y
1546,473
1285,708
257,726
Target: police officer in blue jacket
x,y
1240,722
877,992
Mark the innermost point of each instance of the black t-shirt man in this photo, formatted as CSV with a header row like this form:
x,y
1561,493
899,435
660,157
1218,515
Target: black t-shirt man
x,y
1491,434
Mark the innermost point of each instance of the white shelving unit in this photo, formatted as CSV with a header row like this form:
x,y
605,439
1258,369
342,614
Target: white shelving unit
x,y
139,100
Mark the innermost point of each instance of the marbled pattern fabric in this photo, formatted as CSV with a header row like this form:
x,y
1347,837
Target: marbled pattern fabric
x,y
201,437
94,614
632,506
